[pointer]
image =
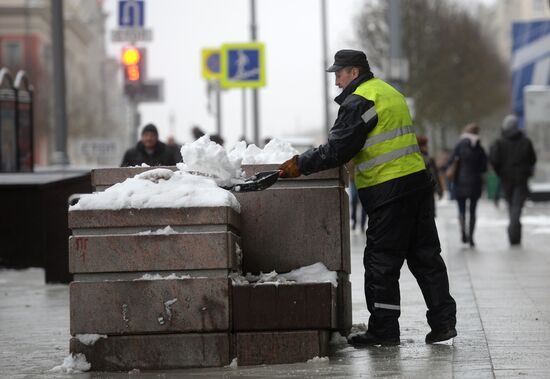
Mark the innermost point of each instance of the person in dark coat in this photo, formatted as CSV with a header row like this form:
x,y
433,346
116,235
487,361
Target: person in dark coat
x,y
149,150
374,127
513,159
471,161
432,167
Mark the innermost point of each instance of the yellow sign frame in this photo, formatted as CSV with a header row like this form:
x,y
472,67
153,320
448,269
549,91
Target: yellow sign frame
x,y
224,65
206,72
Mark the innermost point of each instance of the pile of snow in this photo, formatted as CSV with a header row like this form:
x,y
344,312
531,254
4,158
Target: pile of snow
x,y
318,360
160,277
160,188
73,364
275,152
234,363
315,273
89,339
162,231
209,158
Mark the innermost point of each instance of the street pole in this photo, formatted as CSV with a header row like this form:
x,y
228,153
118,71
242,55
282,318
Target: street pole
x,y
244,112
218,108
395,64
326,121
255,95
58,51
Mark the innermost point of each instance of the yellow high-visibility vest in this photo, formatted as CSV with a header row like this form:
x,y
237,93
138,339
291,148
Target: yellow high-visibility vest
x,y
391,150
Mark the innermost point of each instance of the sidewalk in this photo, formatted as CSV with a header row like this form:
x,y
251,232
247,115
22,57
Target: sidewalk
x,y
501,293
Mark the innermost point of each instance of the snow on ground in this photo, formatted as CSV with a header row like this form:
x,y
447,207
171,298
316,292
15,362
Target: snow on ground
x,y
160,188
73,364
275,152
318,360
315,273
89,339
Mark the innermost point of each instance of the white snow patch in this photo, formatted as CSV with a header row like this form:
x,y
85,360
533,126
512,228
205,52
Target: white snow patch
x,y
73,364
160,277
134,371
158,189
162,231
275,152
89,339
347,349
318,360
208,157
337,339
315,273
234,363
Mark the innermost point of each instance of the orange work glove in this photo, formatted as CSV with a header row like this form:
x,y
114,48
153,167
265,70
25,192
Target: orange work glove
x,y
290,168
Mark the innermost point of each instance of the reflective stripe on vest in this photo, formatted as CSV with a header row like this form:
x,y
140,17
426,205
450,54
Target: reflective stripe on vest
x,y
391,150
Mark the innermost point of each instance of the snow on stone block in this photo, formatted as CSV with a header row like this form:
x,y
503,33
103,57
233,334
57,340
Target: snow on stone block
x,y
208,157
160,188
89,339
147,306
315,273
73,364
275,152
156,351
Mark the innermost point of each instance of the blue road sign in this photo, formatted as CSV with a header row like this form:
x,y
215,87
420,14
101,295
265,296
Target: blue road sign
x,y
530,59
131,13
243,65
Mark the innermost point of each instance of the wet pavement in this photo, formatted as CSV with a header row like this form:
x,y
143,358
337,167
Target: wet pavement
x,y
501,292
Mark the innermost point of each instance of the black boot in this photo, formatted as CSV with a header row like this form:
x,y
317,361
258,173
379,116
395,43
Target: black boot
x,y
462,222
369,339
472,227
440,335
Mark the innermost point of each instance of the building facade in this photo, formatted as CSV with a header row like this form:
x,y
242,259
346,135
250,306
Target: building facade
x,y
97,112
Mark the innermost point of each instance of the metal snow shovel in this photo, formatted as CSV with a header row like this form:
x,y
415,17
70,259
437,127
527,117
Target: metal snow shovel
x,y
257,182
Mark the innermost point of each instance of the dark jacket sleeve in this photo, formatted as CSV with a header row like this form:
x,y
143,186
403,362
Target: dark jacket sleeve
x,y
494,157
346,138
126,159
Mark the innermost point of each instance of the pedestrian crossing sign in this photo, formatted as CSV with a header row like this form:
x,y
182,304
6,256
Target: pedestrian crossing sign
x,y
211,64
243,65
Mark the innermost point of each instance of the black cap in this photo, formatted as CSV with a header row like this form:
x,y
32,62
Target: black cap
x,y
150,128
347,58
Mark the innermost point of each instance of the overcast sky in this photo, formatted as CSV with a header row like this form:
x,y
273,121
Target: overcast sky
x,y
291,103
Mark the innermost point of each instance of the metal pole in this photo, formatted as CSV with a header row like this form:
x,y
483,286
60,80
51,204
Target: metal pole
x,y
395,65
218,108
326,121
244,112
255,97
58,51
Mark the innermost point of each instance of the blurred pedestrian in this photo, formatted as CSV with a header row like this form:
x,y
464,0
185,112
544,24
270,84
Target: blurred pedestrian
x,y
470,162
174,147
513,158
355,201
149,150
432,168
197,132
374,127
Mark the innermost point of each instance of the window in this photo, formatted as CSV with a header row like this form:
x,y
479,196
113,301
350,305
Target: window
x,y
12,53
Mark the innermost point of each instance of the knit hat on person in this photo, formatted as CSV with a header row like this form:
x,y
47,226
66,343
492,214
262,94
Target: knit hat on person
x,y
510,122
150,128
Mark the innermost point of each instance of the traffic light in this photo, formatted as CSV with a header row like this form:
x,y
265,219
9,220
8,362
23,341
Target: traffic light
x,y
132,64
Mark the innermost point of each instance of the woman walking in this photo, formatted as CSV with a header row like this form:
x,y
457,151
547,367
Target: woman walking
x,y
469,162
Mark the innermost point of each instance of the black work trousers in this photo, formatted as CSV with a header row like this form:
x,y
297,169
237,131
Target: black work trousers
x,y
515,195
405,229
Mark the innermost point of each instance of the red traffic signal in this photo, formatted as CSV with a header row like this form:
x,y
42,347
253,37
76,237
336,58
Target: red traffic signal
x,y
131,60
